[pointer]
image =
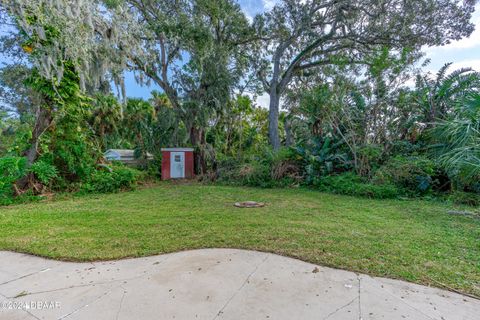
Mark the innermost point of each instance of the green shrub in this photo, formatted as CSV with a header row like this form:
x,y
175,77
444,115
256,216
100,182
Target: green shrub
x,y
108,180
414,174
266,170
246,174
321,157
370,157
44,171
255,175
353,185
465,198
11,169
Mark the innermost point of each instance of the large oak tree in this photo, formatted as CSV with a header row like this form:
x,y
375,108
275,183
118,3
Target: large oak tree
x,y
195,51
301,35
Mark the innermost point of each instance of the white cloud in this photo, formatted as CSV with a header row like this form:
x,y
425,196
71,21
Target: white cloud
x,y
465,43
263,100
268,4
463,53
248,16
474,64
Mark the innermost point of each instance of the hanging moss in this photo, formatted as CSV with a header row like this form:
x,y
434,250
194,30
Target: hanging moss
x,y
86,32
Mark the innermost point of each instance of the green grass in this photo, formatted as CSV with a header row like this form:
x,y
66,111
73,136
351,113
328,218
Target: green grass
x,y
411,240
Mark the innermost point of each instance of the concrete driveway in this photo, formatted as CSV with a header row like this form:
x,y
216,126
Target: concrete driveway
x,y
213,284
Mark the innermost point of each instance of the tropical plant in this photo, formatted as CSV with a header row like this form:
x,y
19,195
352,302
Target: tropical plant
x,y
11,169
137,124
414,174
438,96
458,141
44,171
106,118
321,157
300,36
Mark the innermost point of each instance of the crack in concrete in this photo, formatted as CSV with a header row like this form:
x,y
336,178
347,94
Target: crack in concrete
x,y
121,302
349,303
55,290
52,267
404,302
31,314
359,297
107,293
79,286
241,287
86,305
340,308
24,276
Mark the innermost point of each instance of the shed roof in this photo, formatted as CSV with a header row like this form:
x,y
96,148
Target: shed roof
x,y
177,149
125,153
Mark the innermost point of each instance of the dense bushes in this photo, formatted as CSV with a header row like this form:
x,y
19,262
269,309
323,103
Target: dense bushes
x,y
11,169
400,176
265,170
44,172
351,184
104,179
415,174
14,168
284,170
111,179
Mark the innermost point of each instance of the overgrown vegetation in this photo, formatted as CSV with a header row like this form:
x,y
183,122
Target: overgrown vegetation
x,y
349,124
108,180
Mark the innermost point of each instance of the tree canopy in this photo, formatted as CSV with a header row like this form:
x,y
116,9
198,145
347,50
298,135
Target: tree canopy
x,y
298,36
341,113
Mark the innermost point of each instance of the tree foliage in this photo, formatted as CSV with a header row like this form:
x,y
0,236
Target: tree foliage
x,y
313,33
349,122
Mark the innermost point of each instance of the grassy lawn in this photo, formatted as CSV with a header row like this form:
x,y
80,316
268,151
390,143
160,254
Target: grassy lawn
x,y
411,240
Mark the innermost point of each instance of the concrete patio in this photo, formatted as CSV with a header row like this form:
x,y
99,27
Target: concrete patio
x,y
213,284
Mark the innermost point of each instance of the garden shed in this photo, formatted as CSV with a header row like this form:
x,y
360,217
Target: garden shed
x,y
177,163
125,156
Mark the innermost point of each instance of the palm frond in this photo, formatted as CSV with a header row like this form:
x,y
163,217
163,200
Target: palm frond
x,y
441,73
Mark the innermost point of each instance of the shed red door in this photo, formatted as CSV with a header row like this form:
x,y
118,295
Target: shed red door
x,y
177,163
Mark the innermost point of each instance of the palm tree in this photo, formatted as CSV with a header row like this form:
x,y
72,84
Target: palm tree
x,y
106,116
438,96
160,100
458,141
137,125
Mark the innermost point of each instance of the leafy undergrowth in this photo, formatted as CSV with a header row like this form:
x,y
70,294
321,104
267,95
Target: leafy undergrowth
x,y
416,241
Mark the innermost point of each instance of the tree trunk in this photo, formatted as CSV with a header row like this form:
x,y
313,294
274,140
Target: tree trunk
x,y
197,139
43,119
288,133
273,119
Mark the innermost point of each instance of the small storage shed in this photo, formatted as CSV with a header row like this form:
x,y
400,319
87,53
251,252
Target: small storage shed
x,y
123,155
177,163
